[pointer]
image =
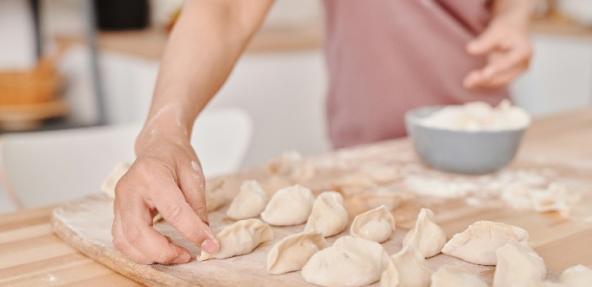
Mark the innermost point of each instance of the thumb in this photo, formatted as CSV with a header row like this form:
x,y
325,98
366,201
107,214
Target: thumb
x,y
483,44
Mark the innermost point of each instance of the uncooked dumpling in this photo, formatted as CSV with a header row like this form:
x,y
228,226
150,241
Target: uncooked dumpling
x,y
289,206
215,196
452,276
426,236
412,267
354,182
240,238
390,276
478,243
518,265
293,251
380,173
376,224
292,165
350,261
577,276
249,202
109,184
328,216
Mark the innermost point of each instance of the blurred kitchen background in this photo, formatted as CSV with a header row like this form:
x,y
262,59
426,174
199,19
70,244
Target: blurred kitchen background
x,y
74,94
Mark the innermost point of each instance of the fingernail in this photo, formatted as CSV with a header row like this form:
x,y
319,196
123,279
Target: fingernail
x,y
210,246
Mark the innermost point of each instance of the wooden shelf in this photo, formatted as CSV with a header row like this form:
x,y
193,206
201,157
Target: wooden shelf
x,y
557,25
150,44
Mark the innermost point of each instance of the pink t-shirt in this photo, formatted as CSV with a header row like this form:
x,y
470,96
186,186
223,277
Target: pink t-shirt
x,y
386,57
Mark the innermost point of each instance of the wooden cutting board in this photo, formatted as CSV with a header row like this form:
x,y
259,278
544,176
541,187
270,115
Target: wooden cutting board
x,y
86,225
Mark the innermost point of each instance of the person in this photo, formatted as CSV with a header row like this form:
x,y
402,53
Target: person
x,y
384,57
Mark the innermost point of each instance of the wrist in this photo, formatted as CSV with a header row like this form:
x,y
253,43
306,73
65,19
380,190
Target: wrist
x,y
516,16
155,135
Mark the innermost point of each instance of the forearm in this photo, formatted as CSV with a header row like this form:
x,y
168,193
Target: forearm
x,y
203,47
514,12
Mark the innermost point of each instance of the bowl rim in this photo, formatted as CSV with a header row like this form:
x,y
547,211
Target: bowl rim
x,y
412,118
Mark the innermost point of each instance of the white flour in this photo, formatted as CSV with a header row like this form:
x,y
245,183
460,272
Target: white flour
x,y
478,116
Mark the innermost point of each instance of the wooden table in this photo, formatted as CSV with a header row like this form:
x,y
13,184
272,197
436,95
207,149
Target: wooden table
x,y
30,255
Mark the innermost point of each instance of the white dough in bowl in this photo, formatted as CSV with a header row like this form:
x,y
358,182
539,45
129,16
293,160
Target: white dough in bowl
x,y
478,116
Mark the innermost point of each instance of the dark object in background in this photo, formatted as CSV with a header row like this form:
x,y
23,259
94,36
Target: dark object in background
x,y
113,15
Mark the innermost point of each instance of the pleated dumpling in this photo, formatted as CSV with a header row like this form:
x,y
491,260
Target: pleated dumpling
x,y
413,269
328,216
426,236
390,275
478,243
375,224
518,265
249,202
289,206
293,251
576,276
350,261
293,166
240,238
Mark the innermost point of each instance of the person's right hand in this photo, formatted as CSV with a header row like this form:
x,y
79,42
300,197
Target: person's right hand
x,y
166,178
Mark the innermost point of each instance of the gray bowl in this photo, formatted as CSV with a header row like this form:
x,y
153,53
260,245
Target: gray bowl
x,y
467,152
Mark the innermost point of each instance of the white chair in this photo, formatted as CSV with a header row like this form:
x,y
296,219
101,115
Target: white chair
x,y
51,167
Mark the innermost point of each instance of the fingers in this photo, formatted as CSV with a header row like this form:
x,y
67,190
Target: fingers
x,y
501,69
192,183
485,43
171,204
138,240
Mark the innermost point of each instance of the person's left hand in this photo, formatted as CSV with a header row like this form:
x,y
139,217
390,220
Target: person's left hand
x,y
508,50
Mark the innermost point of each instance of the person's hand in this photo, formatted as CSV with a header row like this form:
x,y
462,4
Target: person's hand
x,y
508,50
165,178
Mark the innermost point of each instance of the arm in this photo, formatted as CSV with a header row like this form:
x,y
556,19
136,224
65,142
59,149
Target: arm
x,y
506,44
166,176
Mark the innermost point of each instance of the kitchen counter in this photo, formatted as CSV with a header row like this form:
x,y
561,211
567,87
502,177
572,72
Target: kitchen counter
x,y
30,255
150,43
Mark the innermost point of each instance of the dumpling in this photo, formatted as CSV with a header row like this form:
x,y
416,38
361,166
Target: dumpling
x,y
412,267
293,251
427,237
350,261
289,206
249,202
452,276
390,276
577,276
518,265
376,224
292,165
240,238
478,243
354,182
215,196
328,216
274,183
109,184
380,173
